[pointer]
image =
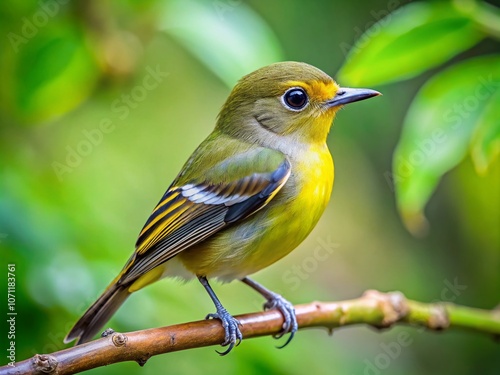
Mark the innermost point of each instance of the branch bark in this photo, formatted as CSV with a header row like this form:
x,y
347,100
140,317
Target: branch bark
x,y
380,310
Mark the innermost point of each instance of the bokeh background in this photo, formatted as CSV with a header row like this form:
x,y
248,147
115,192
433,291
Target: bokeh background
x,y
101,104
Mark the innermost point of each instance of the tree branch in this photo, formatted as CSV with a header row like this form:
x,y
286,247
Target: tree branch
x,y
380,310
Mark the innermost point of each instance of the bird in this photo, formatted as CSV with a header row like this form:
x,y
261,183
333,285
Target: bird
x,y
249,194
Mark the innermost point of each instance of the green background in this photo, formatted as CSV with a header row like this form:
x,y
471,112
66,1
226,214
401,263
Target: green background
x,y
73,198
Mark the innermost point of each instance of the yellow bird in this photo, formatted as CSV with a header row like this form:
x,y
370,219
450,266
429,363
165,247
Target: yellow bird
x,y
249,195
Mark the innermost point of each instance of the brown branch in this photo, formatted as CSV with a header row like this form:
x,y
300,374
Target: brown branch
x,y
380,310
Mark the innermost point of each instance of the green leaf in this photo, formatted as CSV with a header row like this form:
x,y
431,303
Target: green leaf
x,y
486,142
228,37
409,41
55,72
438,130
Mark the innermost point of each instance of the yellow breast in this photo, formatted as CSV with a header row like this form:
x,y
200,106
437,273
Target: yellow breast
x,y
272,232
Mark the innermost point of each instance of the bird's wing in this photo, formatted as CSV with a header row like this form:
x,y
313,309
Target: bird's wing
x,y
188,213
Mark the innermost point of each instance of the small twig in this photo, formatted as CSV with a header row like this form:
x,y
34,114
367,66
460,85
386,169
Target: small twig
x,y
381,310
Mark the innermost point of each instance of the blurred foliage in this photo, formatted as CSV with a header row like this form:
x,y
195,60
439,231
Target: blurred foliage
x,y
222,43
455,112
102,102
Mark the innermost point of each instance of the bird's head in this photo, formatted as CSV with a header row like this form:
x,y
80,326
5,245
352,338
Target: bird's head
x,y
288,99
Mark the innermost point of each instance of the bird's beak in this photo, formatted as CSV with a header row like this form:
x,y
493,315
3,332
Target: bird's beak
x,y
347,95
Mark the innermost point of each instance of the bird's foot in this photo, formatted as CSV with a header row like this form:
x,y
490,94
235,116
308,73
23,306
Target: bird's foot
x,y
232,331
288,311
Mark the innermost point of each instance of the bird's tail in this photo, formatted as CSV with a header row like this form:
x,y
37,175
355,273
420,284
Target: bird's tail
x,y
98,314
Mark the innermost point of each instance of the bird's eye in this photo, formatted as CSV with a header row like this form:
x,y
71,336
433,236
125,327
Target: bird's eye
x,y
295,99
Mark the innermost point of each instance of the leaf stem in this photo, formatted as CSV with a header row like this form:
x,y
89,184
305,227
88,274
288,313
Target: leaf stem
x,y
486,16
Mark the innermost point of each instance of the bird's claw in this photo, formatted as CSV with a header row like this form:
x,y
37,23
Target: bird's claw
x,y
233,334
288,311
